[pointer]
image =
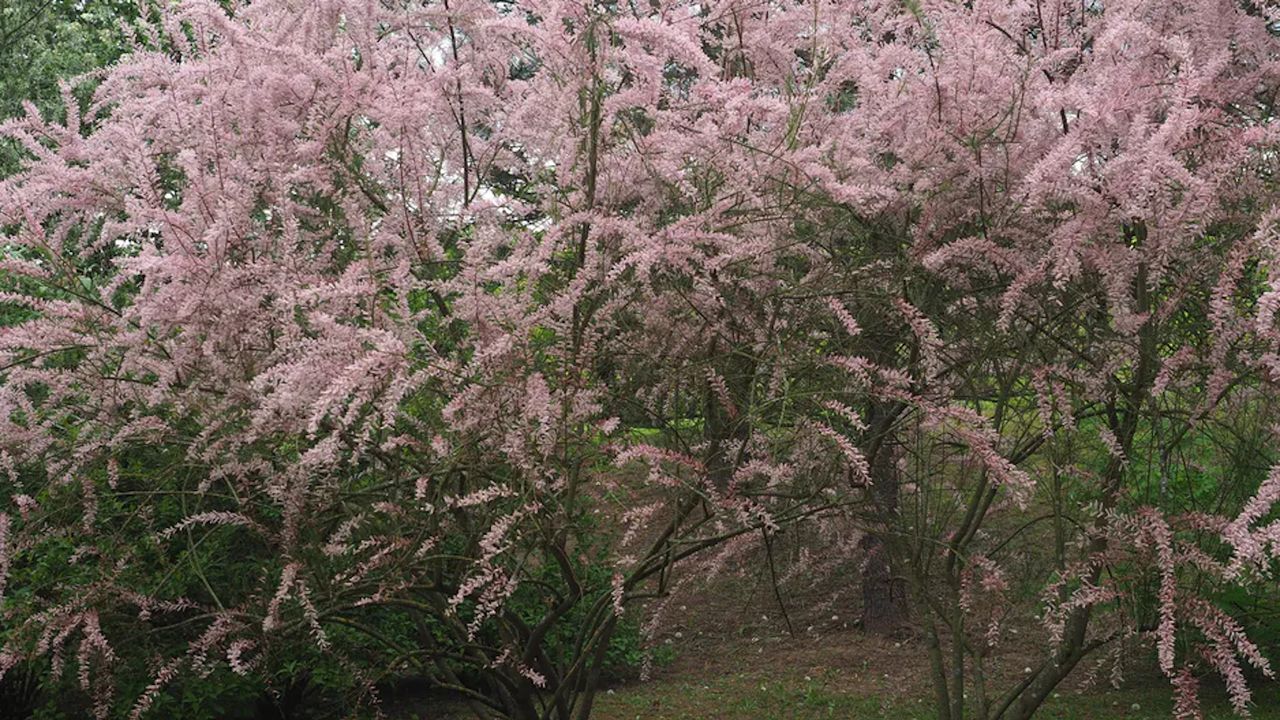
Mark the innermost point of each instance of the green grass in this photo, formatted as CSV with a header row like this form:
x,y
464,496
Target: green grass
x,y
746,696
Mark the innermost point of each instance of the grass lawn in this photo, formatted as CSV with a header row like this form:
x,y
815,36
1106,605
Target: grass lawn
x,y
753,696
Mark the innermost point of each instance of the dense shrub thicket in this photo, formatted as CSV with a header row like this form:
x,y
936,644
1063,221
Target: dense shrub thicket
x,y
348,342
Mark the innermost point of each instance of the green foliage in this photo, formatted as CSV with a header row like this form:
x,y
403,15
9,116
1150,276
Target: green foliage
x,y
43,42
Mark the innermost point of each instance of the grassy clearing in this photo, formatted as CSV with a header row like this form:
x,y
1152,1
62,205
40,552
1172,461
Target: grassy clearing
x,y
761,695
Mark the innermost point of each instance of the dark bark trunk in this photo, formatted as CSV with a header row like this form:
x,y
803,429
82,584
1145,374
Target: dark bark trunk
x,y
883,607
884,596
726,430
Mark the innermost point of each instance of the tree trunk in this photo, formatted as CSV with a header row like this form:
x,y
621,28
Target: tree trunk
x,y
884,597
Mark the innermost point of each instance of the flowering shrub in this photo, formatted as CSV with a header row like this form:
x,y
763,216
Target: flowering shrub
x,y
1088,373
327,312
340,325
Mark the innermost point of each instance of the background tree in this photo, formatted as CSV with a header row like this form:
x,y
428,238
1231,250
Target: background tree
x,y
43,42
